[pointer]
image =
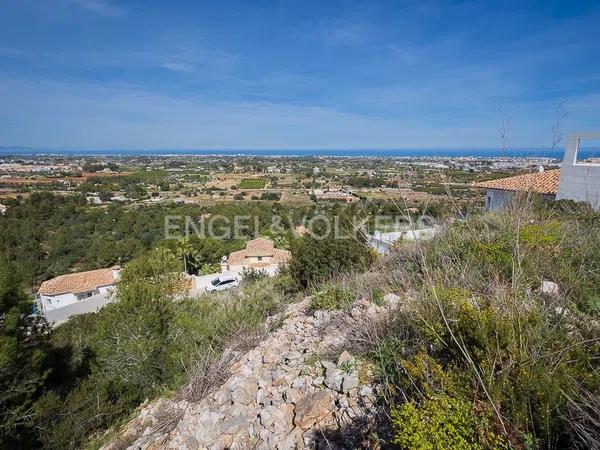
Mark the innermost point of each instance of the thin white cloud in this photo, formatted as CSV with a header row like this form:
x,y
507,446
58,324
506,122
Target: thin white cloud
x,y
76,115
179,66
163,54
177,58
102,7
51,114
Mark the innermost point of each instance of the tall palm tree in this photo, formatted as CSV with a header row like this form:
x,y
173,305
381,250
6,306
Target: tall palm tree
x,y
184,249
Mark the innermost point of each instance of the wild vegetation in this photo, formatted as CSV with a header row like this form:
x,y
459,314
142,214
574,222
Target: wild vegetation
x,y
483,351
46,235
65,388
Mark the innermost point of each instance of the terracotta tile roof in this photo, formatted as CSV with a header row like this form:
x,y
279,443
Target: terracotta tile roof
x,y
77,283
260,247
541,182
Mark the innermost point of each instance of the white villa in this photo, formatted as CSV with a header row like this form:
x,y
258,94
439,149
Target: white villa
x,y
259,254
71,288
501,192
575,180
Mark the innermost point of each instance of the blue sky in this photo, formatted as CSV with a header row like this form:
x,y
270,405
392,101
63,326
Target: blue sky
x,y
144,74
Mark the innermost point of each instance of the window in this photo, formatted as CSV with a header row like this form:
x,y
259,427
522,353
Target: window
x,y
85,295
259,258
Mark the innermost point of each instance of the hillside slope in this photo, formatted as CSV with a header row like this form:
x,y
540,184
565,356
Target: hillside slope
x,y
293,390
491,342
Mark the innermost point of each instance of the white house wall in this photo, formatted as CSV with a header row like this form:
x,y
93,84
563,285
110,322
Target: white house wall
x,y
104,289
92,304
50,302
496,199
579,181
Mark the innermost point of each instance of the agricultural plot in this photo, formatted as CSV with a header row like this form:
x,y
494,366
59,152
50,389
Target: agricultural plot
x,y
253,183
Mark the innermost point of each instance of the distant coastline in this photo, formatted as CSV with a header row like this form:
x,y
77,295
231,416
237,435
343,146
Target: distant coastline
x,y
350,153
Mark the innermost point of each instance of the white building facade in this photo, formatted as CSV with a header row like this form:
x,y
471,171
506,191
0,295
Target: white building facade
x,y
579,181
575,180
259,254
72,288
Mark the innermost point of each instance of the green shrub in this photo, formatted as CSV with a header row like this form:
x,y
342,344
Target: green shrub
x,y
442,422
273,196
316,260
478,324
540,235
334,296
285,283
594,305
377,297
575,266
253,275
496,254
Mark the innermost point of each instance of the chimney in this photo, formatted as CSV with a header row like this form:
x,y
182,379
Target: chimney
x,y
116,272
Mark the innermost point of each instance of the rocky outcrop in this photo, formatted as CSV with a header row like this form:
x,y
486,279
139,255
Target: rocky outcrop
x,y
284,394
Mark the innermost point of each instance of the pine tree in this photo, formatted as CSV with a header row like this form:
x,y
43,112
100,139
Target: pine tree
x,y
23,347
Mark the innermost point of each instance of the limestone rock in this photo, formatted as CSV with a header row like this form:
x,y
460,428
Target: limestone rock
x,y
292,395
205,427
313,408
345,358
293,356
391,300
550,288
244,391
278,377
233,424
350,382
355,313
318,381
277,420
293,440
270,357
334,378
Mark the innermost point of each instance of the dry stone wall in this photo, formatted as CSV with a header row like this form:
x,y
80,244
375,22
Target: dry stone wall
x,y
283,394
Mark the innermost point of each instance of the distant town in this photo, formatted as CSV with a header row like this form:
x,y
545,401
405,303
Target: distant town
x,y
209,179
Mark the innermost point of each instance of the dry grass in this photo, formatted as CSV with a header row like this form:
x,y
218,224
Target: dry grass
x,y
583,414
211,370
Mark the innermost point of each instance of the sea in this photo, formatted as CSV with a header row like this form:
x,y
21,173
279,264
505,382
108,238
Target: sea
x,y
348,153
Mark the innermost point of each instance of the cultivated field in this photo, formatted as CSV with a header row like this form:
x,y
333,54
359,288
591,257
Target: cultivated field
x,y
253,183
